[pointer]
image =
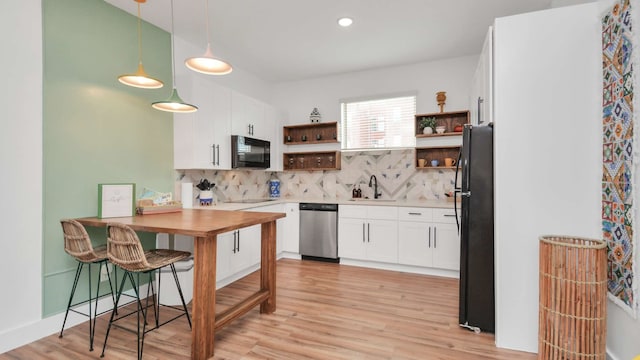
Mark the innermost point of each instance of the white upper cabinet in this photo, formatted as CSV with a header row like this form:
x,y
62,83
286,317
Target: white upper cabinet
x,y
481,99
202,139
248,117
212,143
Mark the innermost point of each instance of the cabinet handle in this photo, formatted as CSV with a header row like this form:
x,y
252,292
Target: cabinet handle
x,y
239,239
435,239
234,242
362,232
415,213
213,154
218,154
449,215
480,101
429,236
368,232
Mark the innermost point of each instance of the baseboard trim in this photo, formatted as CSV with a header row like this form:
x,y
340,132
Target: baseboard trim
x,y
610,356
37,330
402,268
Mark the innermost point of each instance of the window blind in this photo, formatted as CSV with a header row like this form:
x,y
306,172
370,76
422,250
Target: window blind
x,y
378,123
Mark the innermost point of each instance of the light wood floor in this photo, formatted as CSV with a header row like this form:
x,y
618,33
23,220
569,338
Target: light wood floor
x,y
324,311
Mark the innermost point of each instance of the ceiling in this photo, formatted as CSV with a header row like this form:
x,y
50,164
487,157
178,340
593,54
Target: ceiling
x,y
288,40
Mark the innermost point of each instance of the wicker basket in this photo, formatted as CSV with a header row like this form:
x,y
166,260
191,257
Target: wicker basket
x,y
573,298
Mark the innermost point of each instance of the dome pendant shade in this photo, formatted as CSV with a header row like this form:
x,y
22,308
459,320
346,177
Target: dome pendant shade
x,y
174,104
207,64
140,79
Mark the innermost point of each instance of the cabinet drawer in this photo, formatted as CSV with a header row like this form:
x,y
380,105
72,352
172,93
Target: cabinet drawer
x,y
415,214
382,212
352,211
447,216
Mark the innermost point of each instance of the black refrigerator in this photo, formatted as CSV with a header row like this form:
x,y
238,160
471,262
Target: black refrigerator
x,y
474,176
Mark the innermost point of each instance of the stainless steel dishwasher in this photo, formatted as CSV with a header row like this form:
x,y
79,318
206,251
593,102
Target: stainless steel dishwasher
x,y
319,231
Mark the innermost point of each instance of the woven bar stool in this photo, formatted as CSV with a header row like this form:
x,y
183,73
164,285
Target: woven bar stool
x,y
78,244
125,250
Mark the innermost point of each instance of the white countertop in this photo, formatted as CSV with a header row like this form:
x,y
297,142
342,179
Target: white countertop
x,y
403,203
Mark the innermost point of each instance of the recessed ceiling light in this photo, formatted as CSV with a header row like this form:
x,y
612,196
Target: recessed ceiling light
x,y
345,21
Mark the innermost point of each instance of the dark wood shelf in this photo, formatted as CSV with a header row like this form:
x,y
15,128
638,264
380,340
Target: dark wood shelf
x,y
327,133
311,161
447,119
436,153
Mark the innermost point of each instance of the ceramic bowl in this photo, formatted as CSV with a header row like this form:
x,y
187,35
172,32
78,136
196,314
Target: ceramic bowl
x,y
440,130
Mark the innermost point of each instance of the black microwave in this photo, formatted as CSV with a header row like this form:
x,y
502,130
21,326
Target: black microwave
x,y
248,152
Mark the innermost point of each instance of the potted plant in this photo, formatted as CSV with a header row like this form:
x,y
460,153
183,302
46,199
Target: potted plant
x,y
428,124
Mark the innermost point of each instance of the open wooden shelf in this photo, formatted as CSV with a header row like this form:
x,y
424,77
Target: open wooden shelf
x,y
311,161
436,153
294,134
447,119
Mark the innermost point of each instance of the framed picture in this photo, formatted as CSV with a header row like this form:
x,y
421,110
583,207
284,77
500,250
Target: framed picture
x,y
116,200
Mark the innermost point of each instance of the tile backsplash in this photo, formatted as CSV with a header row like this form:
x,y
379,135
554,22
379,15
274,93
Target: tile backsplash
x,y
394,169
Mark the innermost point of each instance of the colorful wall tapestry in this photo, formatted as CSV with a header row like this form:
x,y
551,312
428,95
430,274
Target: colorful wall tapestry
x,y
618,160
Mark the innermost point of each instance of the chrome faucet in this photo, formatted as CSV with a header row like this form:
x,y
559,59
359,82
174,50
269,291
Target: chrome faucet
x,y
373,181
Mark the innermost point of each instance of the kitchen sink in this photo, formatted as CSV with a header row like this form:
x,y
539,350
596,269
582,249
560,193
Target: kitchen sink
x,y
376,200
249,201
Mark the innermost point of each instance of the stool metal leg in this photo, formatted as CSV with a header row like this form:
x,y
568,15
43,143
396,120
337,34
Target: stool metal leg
x,y
113,313
184,304
73,291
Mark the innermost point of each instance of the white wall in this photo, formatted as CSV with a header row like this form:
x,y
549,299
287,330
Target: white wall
x,y
454,76
547,151
21,161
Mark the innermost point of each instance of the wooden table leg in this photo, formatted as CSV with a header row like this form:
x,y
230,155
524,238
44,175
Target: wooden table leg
x,y
203,310
268,266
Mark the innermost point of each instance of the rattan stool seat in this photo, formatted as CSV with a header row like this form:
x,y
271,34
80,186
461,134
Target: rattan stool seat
x,y
124,249
78,244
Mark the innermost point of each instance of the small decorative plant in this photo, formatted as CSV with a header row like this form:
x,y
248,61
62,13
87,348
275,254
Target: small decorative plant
x,y
428,122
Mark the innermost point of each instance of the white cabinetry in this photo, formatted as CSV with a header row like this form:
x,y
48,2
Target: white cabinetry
x,y
429,238
280,223
247,116
202,139
291,229
481,101
238,251
368,233
253,118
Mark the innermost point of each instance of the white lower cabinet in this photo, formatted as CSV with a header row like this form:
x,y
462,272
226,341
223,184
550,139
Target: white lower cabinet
x,y
368,233
237,251
428,238
291,229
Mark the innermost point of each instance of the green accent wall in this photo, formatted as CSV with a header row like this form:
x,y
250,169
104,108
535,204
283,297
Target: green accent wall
x,y
95,129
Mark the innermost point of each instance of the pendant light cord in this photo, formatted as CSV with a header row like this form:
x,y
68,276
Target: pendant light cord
x,y
206,6
139,36
173,63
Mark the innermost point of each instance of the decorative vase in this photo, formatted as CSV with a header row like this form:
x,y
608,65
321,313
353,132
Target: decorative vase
x,y
441,97
274,188
315,116
206,197
427,131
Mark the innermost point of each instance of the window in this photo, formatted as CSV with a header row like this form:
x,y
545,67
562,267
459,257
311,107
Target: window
x,y
378,123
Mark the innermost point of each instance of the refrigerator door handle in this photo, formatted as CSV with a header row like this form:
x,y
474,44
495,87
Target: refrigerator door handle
x,y
456,190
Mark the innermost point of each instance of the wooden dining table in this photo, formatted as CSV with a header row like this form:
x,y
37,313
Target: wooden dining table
x,y
204,226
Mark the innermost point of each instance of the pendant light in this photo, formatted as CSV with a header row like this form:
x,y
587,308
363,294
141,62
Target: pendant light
x,y
207,64
140,79
174,103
